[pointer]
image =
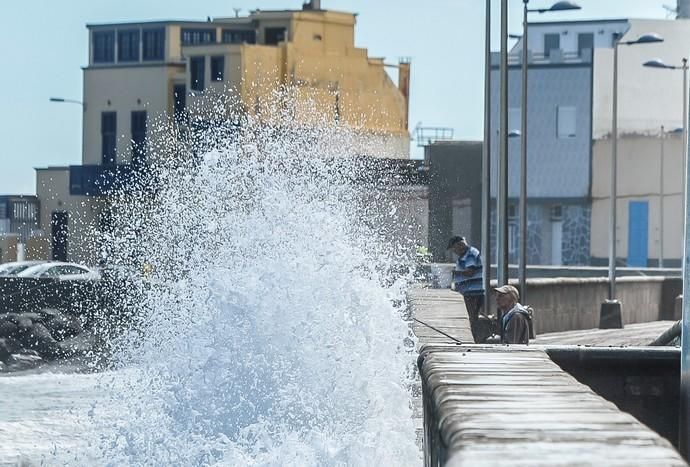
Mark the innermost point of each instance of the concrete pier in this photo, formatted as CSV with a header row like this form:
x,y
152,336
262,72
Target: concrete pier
x,y
512,405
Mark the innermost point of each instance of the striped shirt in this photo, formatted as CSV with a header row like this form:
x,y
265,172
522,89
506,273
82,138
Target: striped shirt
x,y
469,285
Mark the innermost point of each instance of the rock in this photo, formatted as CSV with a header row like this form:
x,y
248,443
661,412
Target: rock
x,y
32,316
37,337
8,329
64,326
24,324
24,361
8,347
8,318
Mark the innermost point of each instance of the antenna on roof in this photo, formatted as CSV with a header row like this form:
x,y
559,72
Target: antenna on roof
x,y
312,5
237,12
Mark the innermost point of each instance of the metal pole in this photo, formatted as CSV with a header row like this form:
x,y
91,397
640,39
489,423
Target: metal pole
x,y
522,260
684,406
685,122
502,199
661,200
614,177
486,161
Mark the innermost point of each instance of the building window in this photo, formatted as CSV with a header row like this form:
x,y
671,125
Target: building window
x,y
234,36
556,212
198,36
128,45
138,137
584,41
217,68
179,100
275,35
153,41
103,46
551,42
566,122
108,137
197,67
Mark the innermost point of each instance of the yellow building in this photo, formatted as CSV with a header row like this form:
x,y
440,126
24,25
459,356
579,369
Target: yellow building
x,y
139,73
142,70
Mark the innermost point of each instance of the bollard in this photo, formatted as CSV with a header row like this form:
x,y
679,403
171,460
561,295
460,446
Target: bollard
x,y
678,308
610,316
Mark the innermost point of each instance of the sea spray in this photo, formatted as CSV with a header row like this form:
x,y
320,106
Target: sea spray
x,y
266,267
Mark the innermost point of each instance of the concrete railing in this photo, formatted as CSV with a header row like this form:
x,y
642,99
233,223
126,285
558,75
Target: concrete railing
x,y
572,303
567,304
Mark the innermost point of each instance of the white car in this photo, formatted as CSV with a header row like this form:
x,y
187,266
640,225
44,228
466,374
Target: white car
x,y
60,271
15,267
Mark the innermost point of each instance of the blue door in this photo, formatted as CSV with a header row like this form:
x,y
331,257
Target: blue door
x,y
638,228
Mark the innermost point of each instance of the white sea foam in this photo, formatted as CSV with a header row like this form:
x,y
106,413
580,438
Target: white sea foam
x,y
269,330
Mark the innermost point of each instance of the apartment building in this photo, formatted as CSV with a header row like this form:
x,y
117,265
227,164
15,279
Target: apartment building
x,y
140,74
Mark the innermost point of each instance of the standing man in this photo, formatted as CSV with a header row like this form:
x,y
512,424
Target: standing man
x,y
467,280
515,317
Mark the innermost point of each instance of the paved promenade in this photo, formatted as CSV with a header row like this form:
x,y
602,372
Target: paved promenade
x,y
512,406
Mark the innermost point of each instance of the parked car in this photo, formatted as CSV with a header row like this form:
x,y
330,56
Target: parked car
x,y
60,271
15,267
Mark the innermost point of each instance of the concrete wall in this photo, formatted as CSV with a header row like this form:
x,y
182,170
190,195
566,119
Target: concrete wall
x,y
111,90
571,303
639,179
566,304
647,97
52,189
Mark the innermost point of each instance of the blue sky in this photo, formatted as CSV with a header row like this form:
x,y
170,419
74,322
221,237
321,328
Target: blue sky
x,y
44,46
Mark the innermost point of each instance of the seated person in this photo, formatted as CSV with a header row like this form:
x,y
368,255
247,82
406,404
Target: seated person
x,y
515,320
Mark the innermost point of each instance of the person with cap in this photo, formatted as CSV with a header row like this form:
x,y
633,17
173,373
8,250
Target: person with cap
x,y
514,318
467,280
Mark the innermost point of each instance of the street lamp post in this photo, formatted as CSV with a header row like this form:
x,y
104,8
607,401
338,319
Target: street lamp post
x,y
502,191
610,315
486,160
522,255
66,101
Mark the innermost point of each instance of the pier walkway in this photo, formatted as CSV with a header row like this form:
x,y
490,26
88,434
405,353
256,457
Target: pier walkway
x,y
513,406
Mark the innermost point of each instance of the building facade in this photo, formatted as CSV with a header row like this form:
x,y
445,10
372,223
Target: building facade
x,y
570,79
144,76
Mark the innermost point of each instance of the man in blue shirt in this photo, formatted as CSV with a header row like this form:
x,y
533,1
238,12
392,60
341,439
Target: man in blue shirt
x,y
467,280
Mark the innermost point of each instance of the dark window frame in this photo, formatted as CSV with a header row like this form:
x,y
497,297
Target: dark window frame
x,y
197,36
238,36
109,138
217,68
274,36
153,44
103,44
580,41
197,73
179,100
139,123
128,45
554,37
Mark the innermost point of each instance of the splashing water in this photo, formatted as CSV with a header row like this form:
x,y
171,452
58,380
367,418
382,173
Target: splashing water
x,y
269,330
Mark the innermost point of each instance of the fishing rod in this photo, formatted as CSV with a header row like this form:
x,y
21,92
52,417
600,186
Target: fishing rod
x,y
437,330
